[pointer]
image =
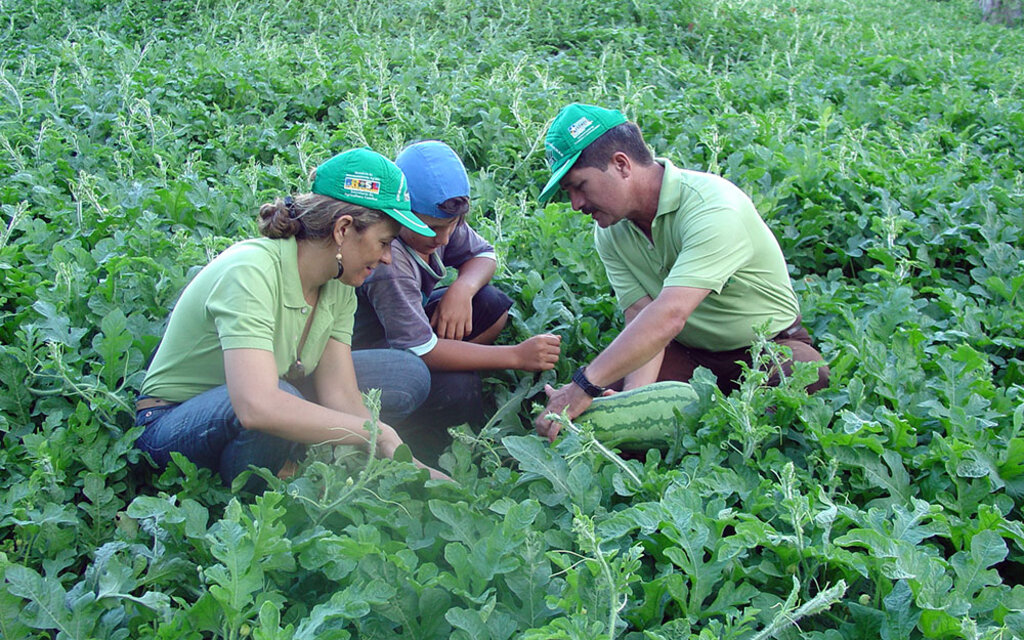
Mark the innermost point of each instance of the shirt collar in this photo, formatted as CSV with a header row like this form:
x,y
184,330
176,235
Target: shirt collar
x,y
435,266
668,199
292,294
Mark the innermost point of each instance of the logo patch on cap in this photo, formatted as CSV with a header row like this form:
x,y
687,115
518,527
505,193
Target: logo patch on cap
x,y
355,183
579,128
552,152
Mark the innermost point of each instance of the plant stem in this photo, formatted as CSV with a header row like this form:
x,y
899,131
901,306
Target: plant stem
x,y
605,451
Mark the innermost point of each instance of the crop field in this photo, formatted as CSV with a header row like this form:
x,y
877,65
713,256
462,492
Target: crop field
x,y
882,141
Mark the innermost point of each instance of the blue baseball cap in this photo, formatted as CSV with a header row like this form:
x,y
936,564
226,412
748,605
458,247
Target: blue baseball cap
x,y
435,174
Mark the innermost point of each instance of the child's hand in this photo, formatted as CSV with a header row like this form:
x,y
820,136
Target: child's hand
x,y
453,317
540,352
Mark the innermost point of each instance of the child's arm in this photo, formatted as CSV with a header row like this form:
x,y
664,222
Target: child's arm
x,y
453,317
538,353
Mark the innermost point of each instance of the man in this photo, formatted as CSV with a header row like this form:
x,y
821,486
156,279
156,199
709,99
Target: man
x,y
694,267
451,328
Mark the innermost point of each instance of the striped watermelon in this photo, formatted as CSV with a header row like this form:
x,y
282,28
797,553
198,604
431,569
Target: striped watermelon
x,y
640,418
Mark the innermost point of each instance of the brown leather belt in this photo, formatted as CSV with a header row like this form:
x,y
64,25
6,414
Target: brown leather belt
x,y
148,403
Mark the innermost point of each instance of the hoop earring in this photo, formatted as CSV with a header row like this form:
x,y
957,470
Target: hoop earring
x,y
341,267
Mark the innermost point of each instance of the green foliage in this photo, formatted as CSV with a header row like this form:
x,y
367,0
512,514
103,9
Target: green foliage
x,y
881,142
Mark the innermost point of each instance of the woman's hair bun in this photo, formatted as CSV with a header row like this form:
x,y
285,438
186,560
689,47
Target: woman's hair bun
x,y
276,219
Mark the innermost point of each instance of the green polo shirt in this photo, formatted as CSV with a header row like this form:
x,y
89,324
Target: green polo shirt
x,y
708,235
249,297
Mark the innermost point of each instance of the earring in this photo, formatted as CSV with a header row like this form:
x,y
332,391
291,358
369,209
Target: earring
x,y
341,267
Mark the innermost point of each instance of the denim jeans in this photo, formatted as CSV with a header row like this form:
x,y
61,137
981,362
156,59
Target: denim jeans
x,y
456,397
206,430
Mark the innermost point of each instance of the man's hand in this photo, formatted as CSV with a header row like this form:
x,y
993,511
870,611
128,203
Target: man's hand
x,y
539,353
453,317
569,396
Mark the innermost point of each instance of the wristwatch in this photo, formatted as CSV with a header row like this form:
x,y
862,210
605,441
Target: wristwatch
x,y
589,388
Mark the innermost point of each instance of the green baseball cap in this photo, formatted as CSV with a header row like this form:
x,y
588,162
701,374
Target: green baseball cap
x,y
364,177
573,129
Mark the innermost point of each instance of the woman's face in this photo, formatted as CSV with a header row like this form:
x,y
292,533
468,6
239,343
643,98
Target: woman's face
x,y
362,252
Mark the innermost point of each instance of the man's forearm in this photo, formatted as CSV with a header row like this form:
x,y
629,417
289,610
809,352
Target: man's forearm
x,y
644,375
645,337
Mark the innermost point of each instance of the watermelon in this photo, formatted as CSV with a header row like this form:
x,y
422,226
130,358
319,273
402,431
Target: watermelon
x,y
640,418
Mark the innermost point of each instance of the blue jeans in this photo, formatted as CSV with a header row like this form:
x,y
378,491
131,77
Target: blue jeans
x,y
206,430
456,397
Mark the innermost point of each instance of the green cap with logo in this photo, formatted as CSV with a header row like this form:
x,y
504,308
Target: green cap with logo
x,y
364,177
573,129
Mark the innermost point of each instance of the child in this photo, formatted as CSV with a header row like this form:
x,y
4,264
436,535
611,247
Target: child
x,y
451,328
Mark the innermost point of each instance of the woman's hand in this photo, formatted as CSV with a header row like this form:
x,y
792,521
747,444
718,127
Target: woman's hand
x,y
388,442
434,473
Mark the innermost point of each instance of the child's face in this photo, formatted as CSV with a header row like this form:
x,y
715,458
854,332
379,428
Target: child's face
x,y
443,227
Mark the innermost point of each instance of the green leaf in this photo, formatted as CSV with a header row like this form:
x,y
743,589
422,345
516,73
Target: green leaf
x,y
113,345
485,623
889,473
11,606
237,577
900,615
972,570
403,453
56,327
46,608
537,457
352,603
464,524
939,625
468,620
1011,460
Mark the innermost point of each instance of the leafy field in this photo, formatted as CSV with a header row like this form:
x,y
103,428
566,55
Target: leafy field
x,y
882,141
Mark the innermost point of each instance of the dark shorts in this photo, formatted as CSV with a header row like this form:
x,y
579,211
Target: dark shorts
x,y
489,304
680,361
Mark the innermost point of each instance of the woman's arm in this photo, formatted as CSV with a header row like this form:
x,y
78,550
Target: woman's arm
x,y
335,380
263,406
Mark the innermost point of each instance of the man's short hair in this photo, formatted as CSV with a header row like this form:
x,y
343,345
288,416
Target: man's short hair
x,y
626,138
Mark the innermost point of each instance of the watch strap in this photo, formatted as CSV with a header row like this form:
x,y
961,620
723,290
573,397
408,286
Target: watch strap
x,y
589,388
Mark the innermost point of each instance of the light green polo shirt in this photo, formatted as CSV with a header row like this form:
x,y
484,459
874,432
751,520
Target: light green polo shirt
x,y
249,297
708,235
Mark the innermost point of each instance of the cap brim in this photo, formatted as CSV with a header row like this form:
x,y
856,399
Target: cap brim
x,y
556,178
410,221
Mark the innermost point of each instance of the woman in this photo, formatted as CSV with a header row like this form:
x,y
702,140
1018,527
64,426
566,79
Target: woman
x,y
222,387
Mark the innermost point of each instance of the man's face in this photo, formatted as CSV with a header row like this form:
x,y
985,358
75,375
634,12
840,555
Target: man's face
x,y
443,227
599,194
